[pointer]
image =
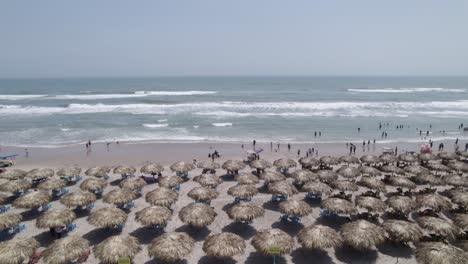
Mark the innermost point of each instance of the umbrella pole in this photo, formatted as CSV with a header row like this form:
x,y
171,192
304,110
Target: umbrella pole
x,y
274,259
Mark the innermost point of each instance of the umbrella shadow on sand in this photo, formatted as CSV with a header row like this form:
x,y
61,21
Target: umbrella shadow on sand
x,y
396,251
335,223
270,205
348,254
290,228
257,258
98,235
243,230
210,259
146,234
45,238
198,234
227,177
30,215
303,256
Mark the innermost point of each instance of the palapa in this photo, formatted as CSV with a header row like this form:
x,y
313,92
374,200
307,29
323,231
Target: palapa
x,y
440,253
260,164
13,174
202,194
461,220
369,159
349,172
344,186
402,204
170,181
339,206
124,170
245,212
295,208
153,215
448,156
433,201
309,162
69,172
3,197
119,196
408,157
282,188
197,215
17,250
233,165
98,172
427,179
78,198
272,176
15,186
372,183
399,181
328,160
36,174
427,156
392,169
208,180
460,198
52,184
371,204
319,237
55,218
362,235
8,220
388,158
285,163
348,159
224,245
107,217
171,247
243,191
182,167
273,242
304,176
317,187
93,184
162,196
439,227
32,199
437,167
369,171
246,178
66,250
132,184
152,168
458,166
456,180
416,169
116,247
208,165
327,176
402,231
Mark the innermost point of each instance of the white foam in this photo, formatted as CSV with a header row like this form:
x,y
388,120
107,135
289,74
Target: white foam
x,y
65,129
408,90
96,96
174,93
155,125
20,96
196,126
162,120
221,124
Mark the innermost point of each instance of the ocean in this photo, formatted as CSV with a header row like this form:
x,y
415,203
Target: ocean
x,y
58,112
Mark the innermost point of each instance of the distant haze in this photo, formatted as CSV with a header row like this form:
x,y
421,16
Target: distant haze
x,y
246,37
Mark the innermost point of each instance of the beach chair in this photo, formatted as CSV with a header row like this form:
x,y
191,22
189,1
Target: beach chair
x,y
182,174
158,226
106,177
18,193
238,200
44,207
315,197
4,208
176,188
278,198
98,192
71,227
328,214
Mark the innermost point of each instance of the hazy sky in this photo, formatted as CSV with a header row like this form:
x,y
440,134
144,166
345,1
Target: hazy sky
x,y
61,38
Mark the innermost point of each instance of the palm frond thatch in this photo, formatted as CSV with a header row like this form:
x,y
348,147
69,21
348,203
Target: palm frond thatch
x,y
65,250
273,242
119,196
208,165
132,184
439,226
304,176
402,204
124,170
317,187
282,188
107,217
348,159
98,172
40,173
295,207
9,220
246,178
69,172
55,218
319,237
402,231
272,176
233,165
78,198
399,181
372,183
371,204
285,163
344,186
152,168
170,181
433,201
17,250
339,206
224,245
208,180
260,164
162,196
369,171
171,247
52,184
388,158
32,199
153,215
327,176
461,220
116,247
439,253
243,191
13,174
362,235
245,212
349,172
369,159
93,184
15,186
202,194
197,215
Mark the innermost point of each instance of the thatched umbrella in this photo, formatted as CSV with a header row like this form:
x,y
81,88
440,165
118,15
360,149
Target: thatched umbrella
x,y
78,198
408,157
99,172
369,159
328,160
309,162
119,196
402,204
362,235
327,176
433,201
392,169
317,187
260,164
170,182
233,165
295,208
52,184
243,191
14,174
162,196
369,171
246,178
339,206
319,237
285,163
439,227
197,215
271,176
348,159
371,204
460,198
36,174
69,172
152,168
245,212
124,170
208,180
349,172
133,184
438,167
427,179
273,242
345,186
282,188
54,218
448,156
461,220
372,183
456,180
399,181
439,253
153,215
208,165
17,250
458,166
171,247
416,169
16,186
402,231
304,176
107,217
93,185
3,197
427,156
32,199
9,220
224,245
202,194
388,158
66,250
116,247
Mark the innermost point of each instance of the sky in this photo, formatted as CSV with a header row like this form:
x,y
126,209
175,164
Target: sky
x,y
107,38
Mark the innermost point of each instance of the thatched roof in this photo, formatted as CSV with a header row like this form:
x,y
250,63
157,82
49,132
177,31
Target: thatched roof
x,y
153,215
437,167
370,171
119,196
392,169
162,196
32,199
55,217
246,178
224,245
329,160
69,172
124,169
456,180
339,206
308,162
171,247
327,176
15,186
3,197
132,184
427,179
402,231
295,207
400,181
427,156
182,166
319,237
52,184
460,198
362,235
285,163
461,220
245,212
107,217
13,174
369,159
78,198
317,187
243,191
440,253
98,171
39,173
115,247
408,157
208,180
260,164
273,242
170,181
65,250
233,165
371,204
304,176
9,220
388,158
272,176
202,193
282,188
152,168
93,184
458,166
372,183
208,164
439,226
433,201
416,169
448,155
402,204
197,214
17,250
344,186
349,172
348,159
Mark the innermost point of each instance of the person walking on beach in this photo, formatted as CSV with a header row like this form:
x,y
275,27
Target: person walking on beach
x,y
271,146
254,142
350,149
466,147
289,147
396,151
278,146
456,141
359,130
441,146
298,153
320,133
315,133
26,153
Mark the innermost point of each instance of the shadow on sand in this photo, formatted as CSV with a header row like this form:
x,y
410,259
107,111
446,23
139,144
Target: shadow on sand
x,y
198,234
215,260
290,228
396,251
245,231
146,234
98,235
257,258
304,256
348,254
